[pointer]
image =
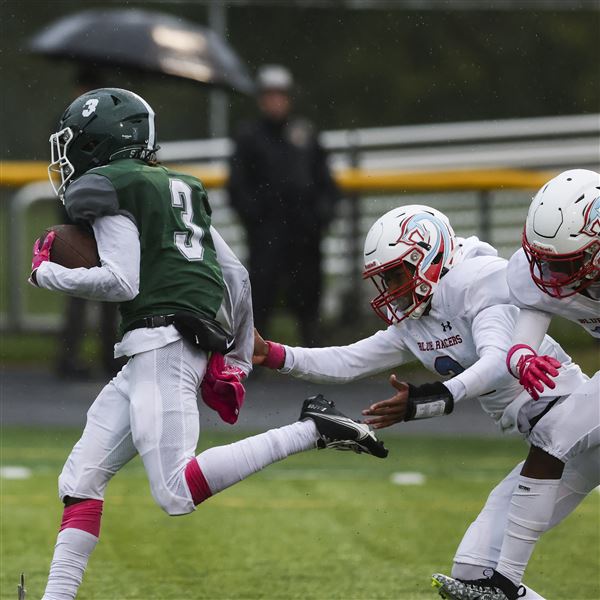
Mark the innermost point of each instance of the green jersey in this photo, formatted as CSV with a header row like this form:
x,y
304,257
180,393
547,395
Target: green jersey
x,y
178,267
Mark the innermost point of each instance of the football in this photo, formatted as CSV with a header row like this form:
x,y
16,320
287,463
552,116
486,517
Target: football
x,y
74,246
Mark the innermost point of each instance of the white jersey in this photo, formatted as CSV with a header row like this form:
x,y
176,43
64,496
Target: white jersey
x,y
525,294
464,338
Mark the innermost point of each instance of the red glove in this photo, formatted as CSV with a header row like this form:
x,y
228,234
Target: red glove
x,y
534,370
222,388
41,252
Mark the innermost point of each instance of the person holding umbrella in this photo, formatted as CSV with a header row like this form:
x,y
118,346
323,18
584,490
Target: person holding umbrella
x,y
283,192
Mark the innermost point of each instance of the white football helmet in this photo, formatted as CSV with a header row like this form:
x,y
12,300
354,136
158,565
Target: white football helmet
x,y
562,233
418,245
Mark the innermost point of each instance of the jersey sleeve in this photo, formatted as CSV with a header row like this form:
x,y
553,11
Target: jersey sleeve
x,y
533,320
476,290
236,310
340,364
492,330
89,197
117,280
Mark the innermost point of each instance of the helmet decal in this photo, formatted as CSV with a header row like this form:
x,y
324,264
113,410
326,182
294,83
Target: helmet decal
x,y
406,253
89,107
413,231
591,217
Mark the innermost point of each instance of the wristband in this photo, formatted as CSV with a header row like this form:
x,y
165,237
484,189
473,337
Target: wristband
x,y
275,357
428,400
512,352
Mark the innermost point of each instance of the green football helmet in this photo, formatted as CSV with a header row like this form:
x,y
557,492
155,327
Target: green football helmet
x,y
98,127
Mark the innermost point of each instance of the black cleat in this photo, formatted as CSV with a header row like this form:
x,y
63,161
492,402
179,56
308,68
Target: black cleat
x,y
21,588
339,431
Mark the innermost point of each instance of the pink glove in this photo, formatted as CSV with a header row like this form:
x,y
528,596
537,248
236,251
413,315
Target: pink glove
x,y
41,251
222,388
534,370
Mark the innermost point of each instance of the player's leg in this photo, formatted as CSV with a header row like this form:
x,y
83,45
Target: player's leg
x,y
164,422
479,549
105,446
570,429
165,428
320,424
546,490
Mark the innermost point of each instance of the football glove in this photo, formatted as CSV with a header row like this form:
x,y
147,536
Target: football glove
x,y
41,253
534,371
222,388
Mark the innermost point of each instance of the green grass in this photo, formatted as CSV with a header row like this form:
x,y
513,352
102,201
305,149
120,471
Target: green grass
x,y
320,525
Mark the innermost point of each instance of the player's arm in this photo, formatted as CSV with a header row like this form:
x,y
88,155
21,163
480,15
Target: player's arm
x,y
409,403
491,330
336,364
117,280
522,361
92,199
236,309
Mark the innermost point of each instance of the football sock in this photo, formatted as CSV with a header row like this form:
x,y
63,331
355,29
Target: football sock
x,y
468,572
531,509
224,466
77,539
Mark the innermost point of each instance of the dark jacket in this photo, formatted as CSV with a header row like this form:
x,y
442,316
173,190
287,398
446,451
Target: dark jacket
x,y
279,177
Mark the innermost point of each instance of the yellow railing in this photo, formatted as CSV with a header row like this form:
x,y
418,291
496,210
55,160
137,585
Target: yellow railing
x,y
19,173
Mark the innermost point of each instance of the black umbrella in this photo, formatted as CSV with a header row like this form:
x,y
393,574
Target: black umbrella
x,y
150,41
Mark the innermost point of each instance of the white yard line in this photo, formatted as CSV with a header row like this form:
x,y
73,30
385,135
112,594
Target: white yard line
x,y
14,472
407,478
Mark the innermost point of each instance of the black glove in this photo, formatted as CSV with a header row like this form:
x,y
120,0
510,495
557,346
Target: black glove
x,y
428,400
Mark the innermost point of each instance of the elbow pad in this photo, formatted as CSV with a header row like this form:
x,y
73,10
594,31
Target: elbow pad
x,y
428,400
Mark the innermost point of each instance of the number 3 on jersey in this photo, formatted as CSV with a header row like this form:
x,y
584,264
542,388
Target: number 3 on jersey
x,y
189,242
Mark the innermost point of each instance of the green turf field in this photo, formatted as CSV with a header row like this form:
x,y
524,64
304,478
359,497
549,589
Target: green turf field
x,y
321,525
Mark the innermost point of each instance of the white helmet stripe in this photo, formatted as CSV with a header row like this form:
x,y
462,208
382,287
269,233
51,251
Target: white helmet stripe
x,y
151,128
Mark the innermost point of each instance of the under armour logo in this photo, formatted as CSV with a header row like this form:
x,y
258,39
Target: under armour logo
x,y
446,326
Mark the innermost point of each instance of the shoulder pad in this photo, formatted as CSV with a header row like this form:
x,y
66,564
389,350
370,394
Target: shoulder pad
x,y
89,197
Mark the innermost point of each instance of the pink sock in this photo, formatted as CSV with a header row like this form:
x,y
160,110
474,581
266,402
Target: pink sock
x,y
76,540
197,482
